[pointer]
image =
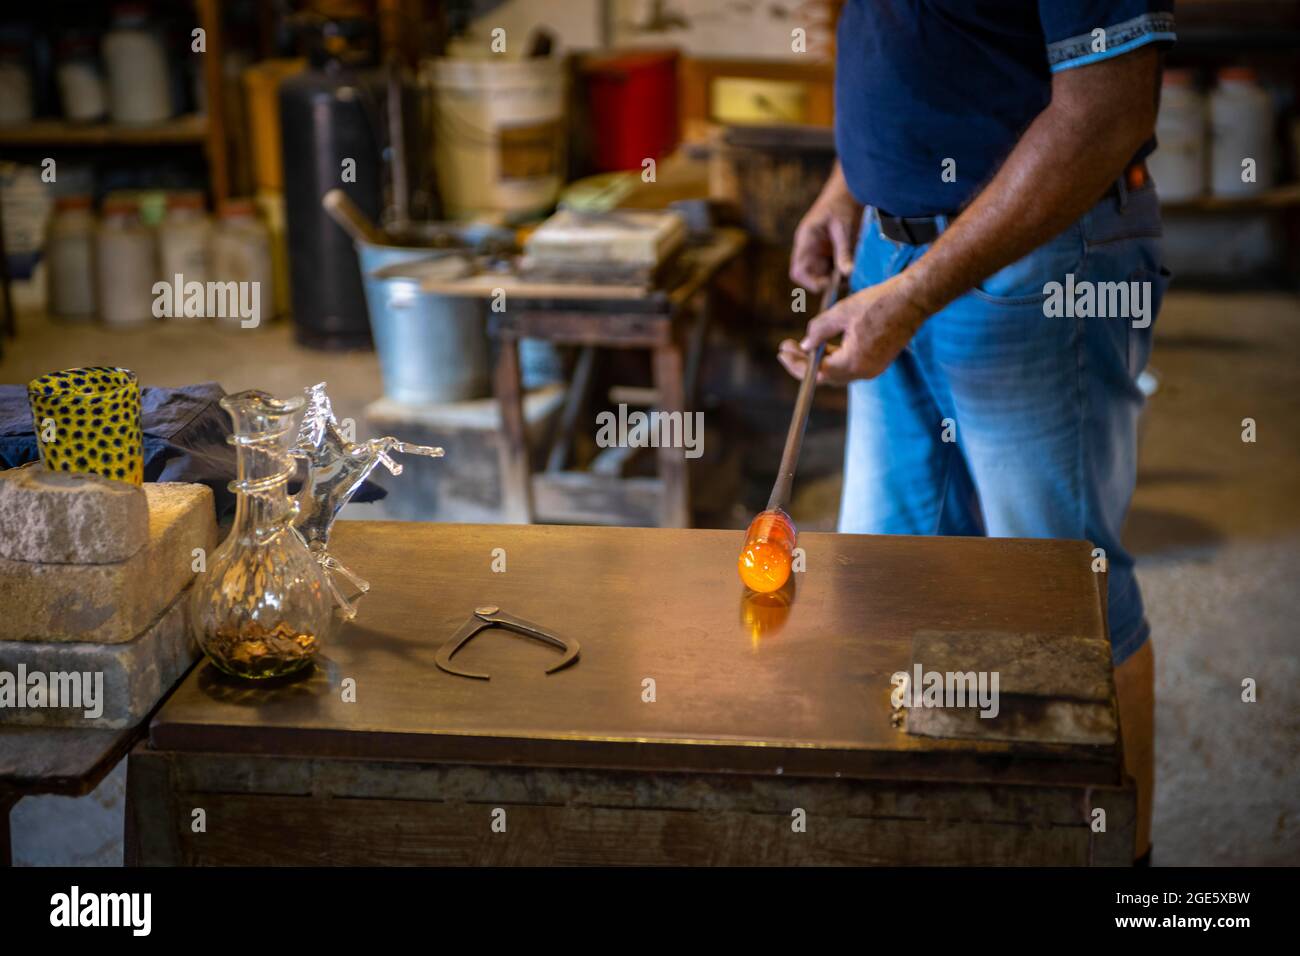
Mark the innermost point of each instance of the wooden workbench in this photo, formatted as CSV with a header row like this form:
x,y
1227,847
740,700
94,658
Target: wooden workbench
x,y
759,711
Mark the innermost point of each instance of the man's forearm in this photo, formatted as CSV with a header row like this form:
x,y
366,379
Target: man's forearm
x,y
1063,163
836,186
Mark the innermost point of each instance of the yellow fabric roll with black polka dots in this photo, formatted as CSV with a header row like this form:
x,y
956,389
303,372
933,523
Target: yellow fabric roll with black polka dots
x,y
88,420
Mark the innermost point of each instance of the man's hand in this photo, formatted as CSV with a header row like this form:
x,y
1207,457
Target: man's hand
x,y
824,238
877,323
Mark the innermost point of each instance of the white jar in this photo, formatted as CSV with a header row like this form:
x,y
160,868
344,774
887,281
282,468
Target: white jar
x,y
1178,165
70,261
241,253
1241,128
126,264
27,205
139,86
184,238
81,84
16,104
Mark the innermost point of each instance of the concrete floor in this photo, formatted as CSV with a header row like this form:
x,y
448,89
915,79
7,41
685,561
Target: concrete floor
x,y
178,353
1216,527
1216,524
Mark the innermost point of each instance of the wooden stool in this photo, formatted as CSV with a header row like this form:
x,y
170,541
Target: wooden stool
x,y
667,321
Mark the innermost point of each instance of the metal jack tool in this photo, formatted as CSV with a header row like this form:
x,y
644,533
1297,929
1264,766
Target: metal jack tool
x,y
492,616
768,551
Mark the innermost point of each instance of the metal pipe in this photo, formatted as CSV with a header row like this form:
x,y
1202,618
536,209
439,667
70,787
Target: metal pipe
x,y
780,497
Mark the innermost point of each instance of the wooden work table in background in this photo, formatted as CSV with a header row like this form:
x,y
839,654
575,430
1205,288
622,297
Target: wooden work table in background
x,y
760,710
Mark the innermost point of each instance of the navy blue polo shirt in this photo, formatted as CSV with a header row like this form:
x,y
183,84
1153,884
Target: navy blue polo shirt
x,y
928,87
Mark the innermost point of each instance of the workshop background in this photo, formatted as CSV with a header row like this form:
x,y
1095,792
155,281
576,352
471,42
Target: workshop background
x,y
142,140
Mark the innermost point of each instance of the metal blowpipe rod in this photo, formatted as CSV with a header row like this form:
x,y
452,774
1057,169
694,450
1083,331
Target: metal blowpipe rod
x,y
802,406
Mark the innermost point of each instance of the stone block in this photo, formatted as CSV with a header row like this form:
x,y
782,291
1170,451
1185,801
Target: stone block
x,y
57,517
129,678
111,603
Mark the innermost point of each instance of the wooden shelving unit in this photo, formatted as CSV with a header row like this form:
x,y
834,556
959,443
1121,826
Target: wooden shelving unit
x,y
1263,34
1285,196
47,132
195,130
207,132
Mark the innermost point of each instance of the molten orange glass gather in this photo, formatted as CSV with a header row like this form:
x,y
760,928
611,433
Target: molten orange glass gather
x,y
764,562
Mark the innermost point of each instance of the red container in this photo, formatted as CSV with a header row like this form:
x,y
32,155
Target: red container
x,y
632,101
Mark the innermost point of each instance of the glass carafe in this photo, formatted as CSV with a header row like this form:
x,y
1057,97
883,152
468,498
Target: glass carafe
x,y
262,606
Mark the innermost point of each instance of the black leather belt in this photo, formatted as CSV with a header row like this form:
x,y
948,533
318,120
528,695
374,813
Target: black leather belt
x,y
912,230
923,230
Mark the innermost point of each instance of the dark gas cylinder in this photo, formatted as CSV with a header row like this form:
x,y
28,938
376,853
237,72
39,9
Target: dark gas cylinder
x,y
332,137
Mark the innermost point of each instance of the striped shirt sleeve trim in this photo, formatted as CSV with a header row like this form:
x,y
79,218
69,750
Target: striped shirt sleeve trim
x,y
1120,38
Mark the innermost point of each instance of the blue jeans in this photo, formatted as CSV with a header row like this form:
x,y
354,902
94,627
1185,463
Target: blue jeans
x,y
999,419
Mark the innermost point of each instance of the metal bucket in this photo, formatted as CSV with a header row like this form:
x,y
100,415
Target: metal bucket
x,y
426,240
431,348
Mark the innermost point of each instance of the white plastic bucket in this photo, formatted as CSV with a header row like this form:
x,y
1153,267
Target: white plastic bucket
x,y
498,134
